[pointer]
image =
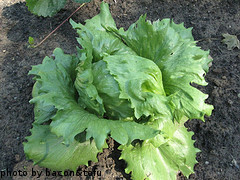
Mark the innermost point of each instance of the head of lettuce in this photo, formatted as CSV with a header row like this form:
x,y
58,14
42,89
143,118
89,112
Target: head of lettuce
x,y
134,86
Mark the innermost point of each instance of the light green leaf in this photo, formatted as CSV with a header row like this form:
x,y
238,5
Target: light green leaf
x,y
47,150
56,77
146,161
93,37
95,23
116,108
181,62
140,81
30,40
116,99
44,112
45,7
70,122
102,42
231,41
56,89
88,94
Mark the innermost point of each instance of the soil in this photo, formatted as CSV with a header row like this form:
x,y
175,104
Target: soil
x,y
218,137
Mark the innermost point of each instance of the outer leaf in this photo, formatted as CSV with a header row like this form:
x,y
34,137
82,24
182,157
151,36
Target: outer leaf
x,y
47,150
42,111
102,42
163,162
70,122
57,90
179,59
103,18
231,41
45,7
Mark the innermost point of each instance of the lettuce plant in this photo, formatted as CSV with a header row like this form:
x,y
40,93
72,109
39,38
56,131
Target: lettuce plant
x,y
48,7
133,85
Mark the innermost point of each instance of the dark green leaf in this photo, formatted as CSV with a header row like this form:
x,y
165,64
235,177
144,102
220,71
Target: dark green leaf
x,y
45,7
47,150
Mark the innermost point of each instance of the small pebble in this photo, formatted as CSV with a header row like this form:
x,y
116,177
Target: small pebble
x,y
17,157
206,162
230,102
235,163
4,51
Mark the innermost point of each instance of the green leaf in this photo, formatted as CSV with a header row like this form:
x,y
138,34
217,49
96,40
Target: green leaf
x,y
42,112
102,42
140,81
74,120
45,110
116,99
116,108
30,40
103,18
181,62
231,41
47,150
48,7
146,161
56,89
45,7
88,94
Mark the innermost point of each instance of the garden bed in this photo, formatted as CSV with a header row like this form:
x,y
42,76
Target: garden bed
x,y
217,138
